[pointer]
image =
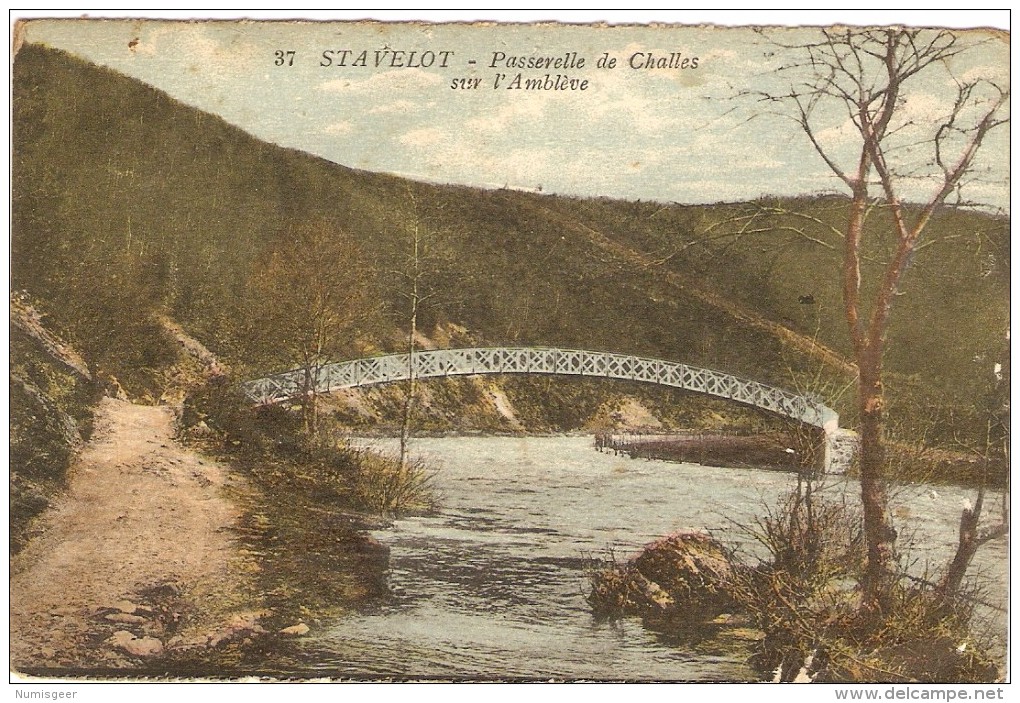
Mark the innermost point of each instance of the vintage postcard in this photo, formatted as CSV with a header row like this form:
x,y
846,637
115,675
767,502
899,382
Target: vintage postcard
x,y
495,351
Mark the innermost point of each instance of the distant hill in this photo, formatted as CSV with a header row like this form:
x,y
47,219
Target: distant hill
x,y
128,204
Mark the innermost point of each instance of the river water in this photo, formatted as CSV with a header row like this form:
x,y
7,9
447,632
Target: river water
x,y
493,586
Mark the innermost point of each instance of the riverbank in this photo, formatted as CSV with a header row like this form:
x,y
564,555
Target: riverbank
x,y
488,587
157,560
792,451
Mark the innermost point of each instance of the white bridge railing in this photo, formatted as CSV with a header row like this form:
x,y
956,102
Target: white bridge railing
x,y
537,360
571,362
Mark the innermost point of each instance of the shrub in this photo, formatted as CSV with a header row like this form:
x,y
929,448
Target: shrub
x,y
806,600
388,486
271,442
220,410
813,538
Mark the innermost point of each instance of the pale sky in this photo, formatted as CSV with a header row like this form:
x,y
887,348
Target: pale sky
x,y
665,134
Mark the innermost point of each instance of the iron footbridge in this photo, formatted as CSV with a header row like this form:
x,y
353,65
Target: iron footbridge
x,y
442,363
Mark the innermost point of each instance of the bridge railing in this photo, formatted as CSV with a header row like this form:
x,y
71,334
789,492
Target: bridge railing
x,y
539,360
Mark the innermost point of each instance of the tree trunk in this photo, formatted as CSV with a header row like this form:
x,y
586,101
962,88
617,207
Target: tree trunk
x,y
412,388
313,413
971,540
965,551
309,409
878,530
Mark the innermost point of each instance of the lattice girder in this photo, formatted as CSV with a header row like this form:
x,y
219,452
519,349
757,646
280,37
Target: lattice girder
x,y
540,360
544,360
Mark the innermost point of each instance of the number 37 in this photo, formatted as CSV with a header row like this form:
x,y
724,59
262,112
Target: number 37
x,y
284,57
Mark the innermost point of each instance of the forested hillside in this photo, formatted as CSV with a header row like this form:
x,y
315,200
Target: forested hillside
x,y
128,206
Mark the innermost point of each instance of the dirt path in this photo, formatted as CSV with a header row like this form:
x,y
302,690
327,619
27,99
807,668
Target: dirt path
x,y
136,557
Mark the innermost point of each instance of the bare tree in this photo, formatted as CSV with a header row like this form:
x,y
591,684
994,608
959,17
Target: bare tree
x,y
413,275
865,84
996,444
313,293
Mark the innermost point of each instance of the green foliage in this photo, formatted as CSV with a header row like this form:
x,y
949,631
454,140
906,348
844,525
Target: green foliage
x,y
271,444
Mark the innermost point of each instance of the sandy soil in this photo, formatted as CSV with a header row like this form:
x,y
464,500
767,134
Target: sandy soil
x,y
136,557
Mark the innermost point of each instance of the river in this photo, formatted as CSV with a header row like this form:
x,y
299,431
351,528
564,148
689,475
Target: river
x,y
493,586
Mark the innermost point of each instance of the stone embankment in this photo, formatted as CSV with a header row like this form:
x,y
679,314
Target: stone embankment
x,y
714,449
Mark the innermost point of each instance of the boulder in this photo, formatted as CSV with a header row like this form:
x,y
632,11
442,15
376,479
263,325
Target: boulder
x,y
684,574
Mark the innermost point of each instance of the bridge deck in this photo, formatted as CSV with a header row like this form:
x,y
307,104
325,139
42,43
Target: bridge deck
x,y
538,360
839,448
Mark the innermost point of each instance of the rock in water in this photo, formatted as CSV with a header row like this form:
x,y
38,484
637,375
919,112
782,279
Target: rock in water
x,y
684,574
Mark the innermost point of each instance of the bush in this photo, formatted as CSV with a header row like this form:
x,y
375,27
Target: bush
x,y
804,597
388,486
806,600
219,410
923,636
270,441
812,538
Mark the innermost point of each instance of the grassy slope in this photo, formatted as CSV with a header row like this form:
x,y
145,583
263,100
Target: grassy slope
x,y
128,202
50,417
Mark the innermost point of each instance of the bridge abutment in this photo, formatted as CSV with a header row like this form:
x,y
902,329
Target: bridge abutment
x,y
841,447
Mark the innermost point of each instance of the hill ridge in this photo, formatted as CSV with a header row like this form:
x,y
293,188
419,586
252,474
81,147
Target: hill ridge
x,y
130,206
809,346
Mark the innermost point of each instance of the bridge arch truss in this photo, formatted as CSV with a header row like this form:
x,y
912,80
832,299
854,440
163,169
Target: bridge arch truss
x,y
442,363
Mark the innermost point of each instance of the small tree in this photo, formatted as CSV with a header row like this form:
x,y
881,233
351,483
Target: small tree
x,y
313,293
996,444
412,287
860,82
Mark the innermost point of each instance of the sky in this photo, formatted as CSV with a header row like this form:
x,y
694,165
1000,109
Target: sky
x,y
670,134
